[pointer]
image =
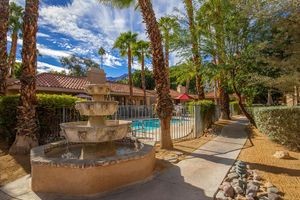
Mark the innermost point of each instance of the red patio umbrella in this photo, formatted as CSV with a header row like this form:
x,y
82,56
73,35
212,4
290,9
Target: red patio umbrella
x,y
184,97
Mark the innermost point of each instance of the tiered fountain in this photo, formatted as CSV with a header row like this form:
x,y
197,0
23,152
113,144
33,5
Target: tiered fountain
x,y
96,155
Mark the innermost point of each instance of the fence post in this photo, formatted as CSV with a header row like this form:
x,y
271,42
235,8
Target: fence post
x,y
198,121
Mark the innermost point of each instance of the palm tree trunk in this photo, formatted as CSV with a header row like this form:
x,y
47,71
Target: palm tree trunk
x,y
12,54
164,107
167,47
129,76
187,85
224,101
143,77
4,14
27,127
195,48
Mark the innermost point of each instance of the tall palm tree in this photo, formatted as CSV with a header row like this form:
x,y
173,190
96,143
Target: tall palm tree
x,y
164,107
125,43
141,50
15,25
214,11
168,26
101,53
27,128
4,13
195,46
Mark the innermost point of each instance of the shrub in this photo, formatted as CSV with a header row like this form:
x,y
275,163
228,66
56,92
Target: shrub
x,y
49,113
281,124
235,108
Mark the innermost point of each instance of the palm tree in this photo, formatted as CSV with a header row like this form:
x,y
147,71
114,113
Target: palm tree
x,y
164,107
167,26
4,14
15,25
184,73
27,128
125,43
212,15
195,46
101,52
141,50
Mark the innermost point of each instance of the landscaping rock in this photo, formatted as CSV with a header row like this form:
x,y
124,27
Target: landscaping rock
x,y
252,189
228,190
220,195
238,189
272,189
281,154
232,175
250,197
235,181
257,177
273,196
263,198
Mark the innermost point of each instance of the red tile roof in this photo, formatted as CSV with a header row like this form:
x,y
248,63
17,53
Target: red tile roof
x,y
50,80
61,81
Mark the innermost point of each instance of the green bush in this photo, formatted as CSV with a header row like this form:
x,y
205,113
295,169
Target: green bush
x,y
235,108
207,109
280,123
49,113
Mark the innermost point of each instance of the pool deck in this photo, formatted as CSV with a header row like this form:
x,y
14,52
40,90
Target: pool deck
x,y
195,178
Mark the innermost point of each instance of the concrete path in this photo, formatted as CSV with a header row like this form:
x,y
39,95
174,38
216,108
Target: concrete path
x,y
195,178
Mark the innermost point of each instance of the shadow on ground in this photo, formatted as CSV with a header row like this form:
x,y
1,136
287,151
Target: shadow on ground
x,y
163,187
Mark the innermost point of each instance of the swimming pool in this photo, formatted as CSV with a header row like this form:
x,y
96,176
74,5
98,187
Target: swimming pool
x,y
150,124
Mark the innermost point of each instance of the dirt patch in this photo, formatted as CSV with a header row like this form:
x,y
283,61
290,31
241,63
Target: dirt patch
x,y
283,173
12,167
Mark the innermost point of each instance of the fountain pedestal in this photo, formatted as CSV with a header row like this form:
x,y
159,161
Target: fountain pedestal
x,y
92,159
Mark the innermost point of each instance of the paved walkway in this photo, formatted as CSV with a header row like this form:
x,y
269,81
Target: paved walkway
x,y
195,178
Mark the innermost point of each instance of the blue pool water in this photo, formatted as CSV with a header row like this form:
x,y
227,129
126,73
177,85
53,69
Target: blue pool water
x,y
150,124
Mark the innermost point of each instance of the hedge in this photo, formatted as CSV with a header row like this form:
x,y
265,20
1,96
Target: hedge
x,y
207,109
281,124
49,113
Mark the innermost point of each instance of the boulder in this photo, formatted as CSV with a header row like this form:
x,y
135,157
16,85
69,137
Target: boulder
x,y
281,154
220,195
273,196
232,176
228,191
238,189
252,189
272,189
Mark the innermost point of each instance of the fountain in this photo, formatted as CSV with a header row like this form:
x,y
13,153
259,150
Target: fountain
x,y
96,155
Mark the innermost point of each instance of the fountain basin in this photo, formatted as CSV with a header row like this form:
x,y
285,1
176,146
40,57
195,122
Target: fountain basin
x,y
82,133
97,108
88,176
97,89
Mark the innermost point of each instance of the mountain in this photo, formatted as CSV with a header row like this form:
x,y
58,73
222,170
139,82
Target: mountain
x,y
118,78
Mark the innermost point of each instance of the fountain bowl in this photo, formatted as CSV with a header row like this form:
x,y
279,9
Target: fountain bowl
x,y
97,108
72,176
82,133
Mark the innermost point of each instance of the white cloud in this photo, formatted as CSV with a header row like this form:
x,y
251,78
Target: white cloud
x,y
45,67
44,51
39,34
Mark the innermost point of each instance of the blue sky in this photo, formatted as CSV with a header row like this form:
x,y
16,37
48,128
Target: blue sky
x,y
80,27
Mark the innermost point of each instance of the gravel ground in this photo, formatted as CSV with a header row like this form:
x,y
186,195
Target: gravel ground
x,y
283,173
